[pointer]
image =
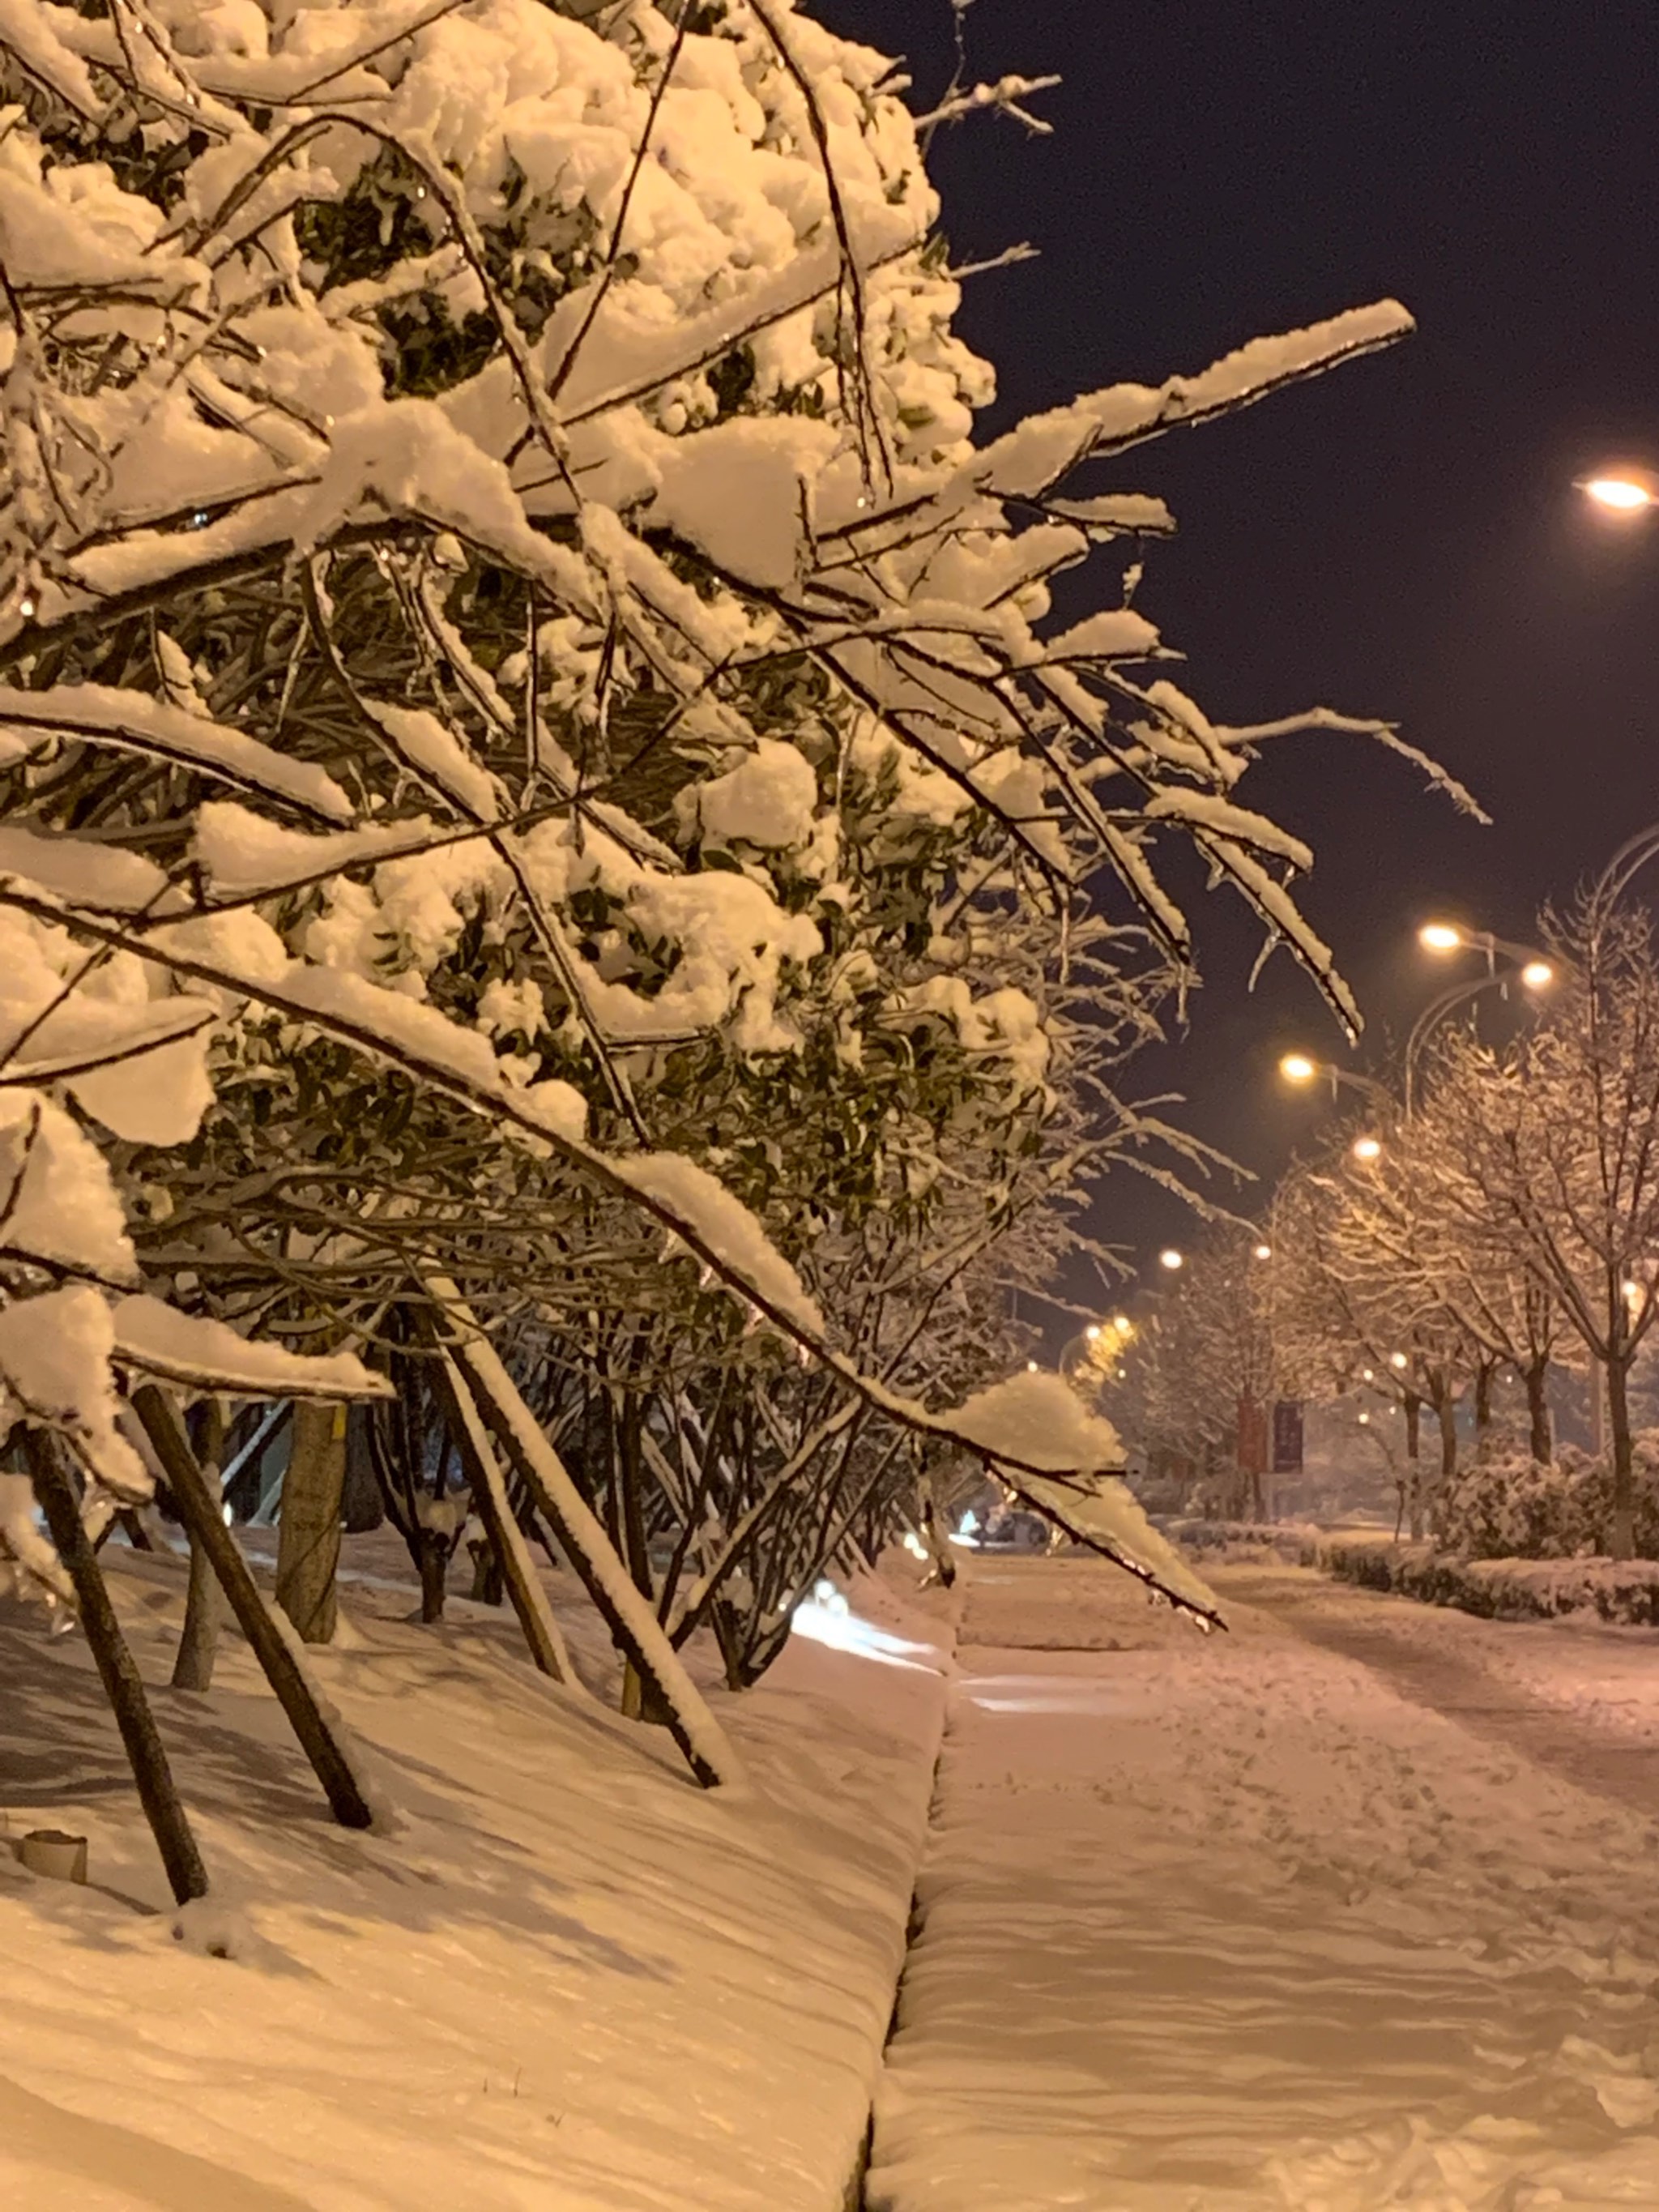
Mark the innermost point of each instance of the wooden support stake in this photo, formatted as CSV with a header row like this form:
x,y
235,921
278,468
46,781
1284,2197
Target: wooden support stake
x,y
634,1628
494,1509
203,1515
124,1685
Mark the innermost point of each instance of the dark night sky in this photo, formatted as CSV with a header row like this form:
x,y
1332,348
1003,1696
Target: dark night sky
x,y
1400,539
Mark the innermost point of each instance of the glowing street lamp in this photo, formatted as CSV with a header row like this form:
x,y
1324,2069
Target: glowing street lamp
x,y
1444,937
1538,974
1298,1067
1368,1148
1264,1251
1398,1359
1122,1324
1621,492
1170,1259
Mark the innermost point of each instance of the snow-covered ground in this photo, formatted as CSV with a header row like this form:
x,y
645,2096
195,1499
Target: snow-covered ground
x,y
1573,1693
1228,1923
567,1979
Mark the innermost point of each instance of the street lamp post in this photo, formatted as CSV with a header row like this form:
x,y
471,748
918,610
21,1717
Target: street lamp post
x,y
1452,937
1534,975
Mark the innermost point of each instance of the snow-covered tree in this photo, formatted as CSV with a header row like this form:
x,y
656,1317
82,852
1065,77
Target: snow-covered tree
x,y
1356,1303
534,741
1554,1146
1203,1361
1481,1273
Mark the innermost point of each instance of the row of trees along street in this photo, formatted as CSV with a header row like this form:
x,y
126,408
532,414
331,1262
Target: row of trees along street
x,y
1491,1216
561,880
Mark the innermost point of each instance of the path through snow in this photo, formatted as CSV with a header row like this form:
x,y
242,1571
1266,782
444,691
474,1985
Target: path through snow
x,y
1215,1925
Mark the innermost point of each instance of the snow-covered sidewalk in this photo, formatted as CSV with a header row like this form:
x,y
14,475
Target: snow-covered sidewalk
x,y
1572,1694
565,1980
1228,1923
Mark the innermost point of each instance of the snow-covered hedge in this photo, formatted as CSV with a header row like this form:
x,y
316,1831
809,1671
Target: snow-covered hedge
x,y
1622,1590
1285,1539
1506,1506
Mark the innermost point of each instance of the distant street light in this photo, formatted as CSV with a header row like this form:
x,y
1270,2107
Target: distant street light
x,y
1264,1251
1442,937
1398,1359
1169,1258
1296,1067
1368,1148
1538,974
1621,492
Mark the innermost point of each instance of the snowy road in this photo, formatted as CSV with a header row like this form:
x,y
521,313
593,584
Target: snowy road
x,y
1352,1908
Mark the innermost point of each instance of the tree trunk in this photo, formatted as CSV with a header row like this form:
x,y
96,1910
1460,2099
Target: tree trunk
x,y
1483,1381
1542,1441
434,1575
933,1535
201,1515
308,1536
1445,1413
198,1646
488,1586
1413,1425
123,1683
1623,1534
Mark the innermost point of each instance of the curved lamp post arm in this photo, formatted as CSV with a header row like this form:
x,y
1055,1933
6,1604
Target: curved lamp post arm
x,y
1430,1019
1632,855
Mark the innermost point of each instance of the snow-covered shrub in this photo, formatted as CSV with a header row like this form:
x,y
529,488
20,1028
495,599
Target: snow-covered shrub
x,y
1509,1507
1625,1591
503,620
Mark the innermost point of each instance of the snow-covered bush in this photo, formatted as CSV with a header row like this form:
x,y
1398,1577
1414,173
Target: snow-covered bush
x,y
1625,1591
1507,1506
505,636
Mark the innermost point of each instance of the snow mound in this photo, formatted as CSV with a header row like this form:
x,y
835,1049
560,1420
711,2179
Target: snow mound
x,y
1040,1421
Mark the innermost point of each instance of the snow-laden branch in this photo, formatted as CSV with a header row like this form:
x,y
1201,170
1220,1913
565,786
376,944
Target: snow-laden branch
x,y
713,1227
